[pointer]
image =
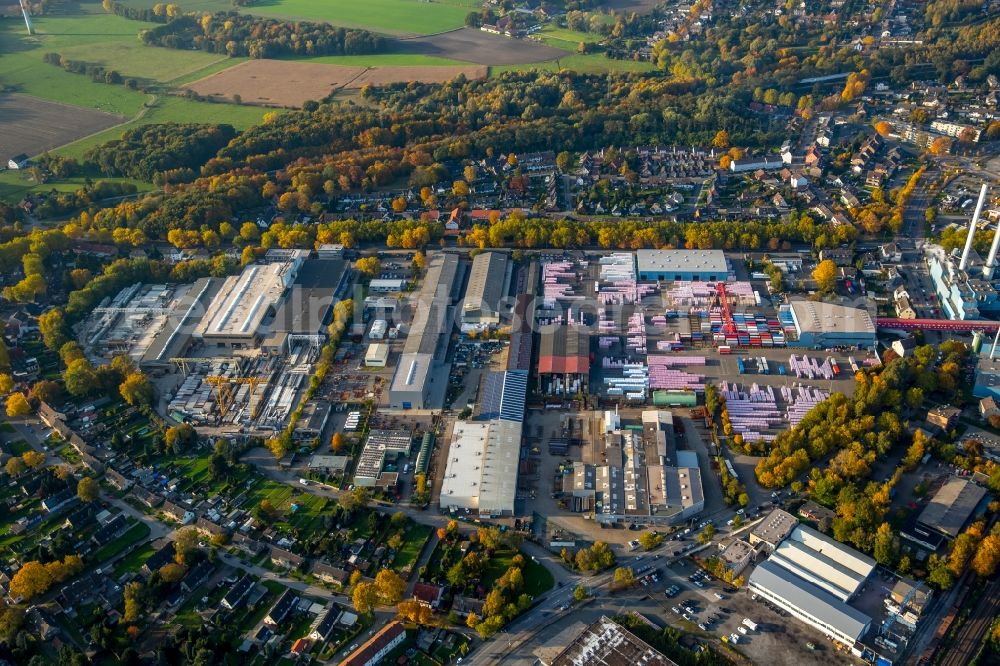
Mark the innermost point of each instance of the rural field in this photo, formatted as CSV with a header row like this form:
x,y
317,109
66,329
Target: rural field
x,y
481,48
290,83
33,126
395,17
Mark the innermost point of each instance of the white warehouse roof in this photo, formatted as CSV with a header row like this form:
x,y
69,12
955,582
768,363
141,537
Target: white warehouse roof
x,y
682,261
245,300
825,610
819,317
832,566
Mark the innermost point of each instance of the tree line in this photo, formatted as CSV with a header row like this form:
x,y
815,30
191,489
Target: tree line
x,y
237,34
148,151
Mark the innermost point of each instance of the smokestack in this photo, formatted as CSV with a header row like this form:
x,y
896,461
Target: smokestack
x,y
993,350
972,229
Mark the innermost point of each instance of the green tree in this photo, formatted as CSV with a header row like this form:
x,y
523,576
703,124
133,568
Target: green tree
x,y
80,378
580,593
88,489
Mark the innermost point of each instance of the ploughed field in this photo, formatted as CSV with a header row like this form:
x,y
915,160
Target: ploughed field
x,y
33,126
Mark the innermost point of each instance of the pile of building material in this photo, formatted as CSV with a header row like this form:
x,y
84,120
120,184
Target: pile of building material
x,y
810,368
752,411
559,281
664,375
634,382
799,400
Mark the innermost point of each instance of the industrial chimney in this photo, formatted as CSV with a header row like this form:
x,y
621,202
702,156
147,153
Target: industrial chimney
x,y
972,231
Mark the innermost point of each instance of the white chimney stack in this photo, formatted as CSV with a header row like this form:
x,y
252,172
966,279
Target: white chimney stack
x,y
972,229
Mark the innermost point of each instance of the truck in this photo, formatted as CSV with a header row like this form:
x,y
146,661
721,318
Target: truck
x,y
749,624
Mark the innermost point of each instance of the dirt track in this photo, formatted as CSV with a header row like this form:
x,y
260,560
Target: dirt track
x,y
33,126
470,45
288,83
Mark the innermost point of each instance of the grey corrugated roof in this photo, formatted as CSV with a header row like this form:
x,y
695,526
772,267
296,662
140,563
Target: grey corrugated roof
x,y
952,505
804,595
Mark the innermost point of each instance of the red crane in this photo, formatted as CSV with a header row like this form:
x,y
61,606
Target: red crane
x,y
728,325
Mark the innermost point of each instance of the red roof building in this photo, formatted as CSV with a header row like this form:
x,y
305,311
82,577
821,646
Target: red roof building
x,y
564,350
377,647
428,594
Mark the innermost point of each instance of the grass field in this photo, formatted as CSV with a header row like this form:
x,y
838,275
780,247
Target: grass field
x,y
537,578
15,184
563,38
389,16
137,532
175,109
85,32
93,37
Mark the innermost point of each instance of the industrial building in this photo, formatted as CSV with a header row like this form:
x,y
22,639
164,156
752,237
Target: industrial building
x,y
383,447
814,578
150,323
484,457
809,603
644,479
563,359
824,325
824,562
305,310
377,355
951,507
964,282
411,385
682,265
487,285
235,319
773,529
737,556
426,343
607,643
378,286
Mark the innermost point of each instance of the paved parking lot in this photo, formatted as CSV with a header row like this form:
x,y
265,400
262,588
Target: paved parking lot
x,y
779,640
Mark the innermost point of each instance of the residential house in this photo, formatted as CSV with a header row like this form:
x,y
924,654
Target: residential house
x,y
198,574
57,501
238,592
325,623
210,528
162,557
114,529
118,481
904,347
378,646
329,573
82,517
281,608
147,498
180,512
428,594
891,252
285,558
816,513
